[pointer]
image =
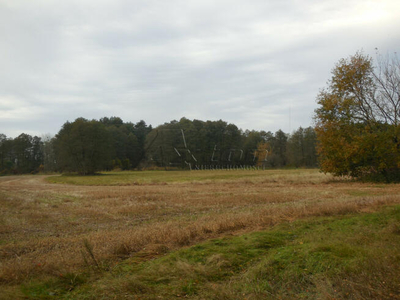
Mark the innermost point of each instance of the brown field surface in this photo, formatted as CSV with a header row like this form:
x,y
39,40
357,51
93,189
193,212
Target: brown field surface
x,y
43,225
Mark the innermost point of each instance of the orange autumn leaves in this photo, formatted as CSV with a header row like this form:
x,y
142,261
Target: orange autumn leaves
x,y
357,124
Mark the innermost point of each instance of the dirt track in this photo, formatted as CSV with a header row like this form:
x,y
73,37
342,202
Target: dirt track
x,y
36,182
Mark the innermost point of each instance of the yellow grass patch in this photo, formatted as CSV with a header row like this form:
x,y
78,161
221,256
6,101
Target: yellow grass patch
x,y
43,226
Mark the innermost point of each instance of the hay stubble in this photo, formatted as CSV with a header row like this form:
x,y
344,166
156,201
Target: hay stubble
x,y
43,225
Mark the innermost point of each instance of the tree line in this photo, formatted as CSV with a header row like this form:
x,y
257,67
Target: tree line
x,y
187,143
89,146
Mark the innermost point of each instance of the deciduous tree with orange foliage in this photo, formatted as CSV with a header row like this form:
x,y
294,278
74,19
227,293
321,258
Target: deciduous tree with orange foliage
x,y
357,122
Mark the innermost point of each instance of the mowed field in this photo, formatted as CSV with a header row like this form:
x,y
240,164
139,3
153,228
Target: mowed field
x,y
97,236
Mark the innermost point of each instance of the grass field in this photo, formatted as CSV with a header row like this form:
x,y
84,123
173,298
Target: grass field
x,y
160,177
201,234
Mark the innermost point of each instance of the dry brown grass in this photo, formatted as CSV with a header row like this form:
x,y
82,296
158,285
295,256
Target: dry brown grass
x,y
43,226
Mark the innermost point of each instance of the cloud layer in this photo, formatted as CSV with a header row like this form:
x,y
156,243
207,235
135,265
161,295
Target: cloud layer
x,y
258,64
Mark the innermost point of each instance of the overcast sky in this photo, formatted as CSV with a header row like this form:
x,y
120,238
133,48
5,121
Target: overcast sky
x,y
257,64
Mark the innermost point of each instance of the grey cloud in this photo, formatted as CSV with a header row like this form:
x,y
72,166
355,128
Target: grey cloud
x,y
258,64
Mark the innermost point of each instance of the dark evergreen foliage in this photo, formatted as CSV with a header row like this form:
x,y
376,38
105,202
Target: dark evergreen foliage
x,y
89,146
24,154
